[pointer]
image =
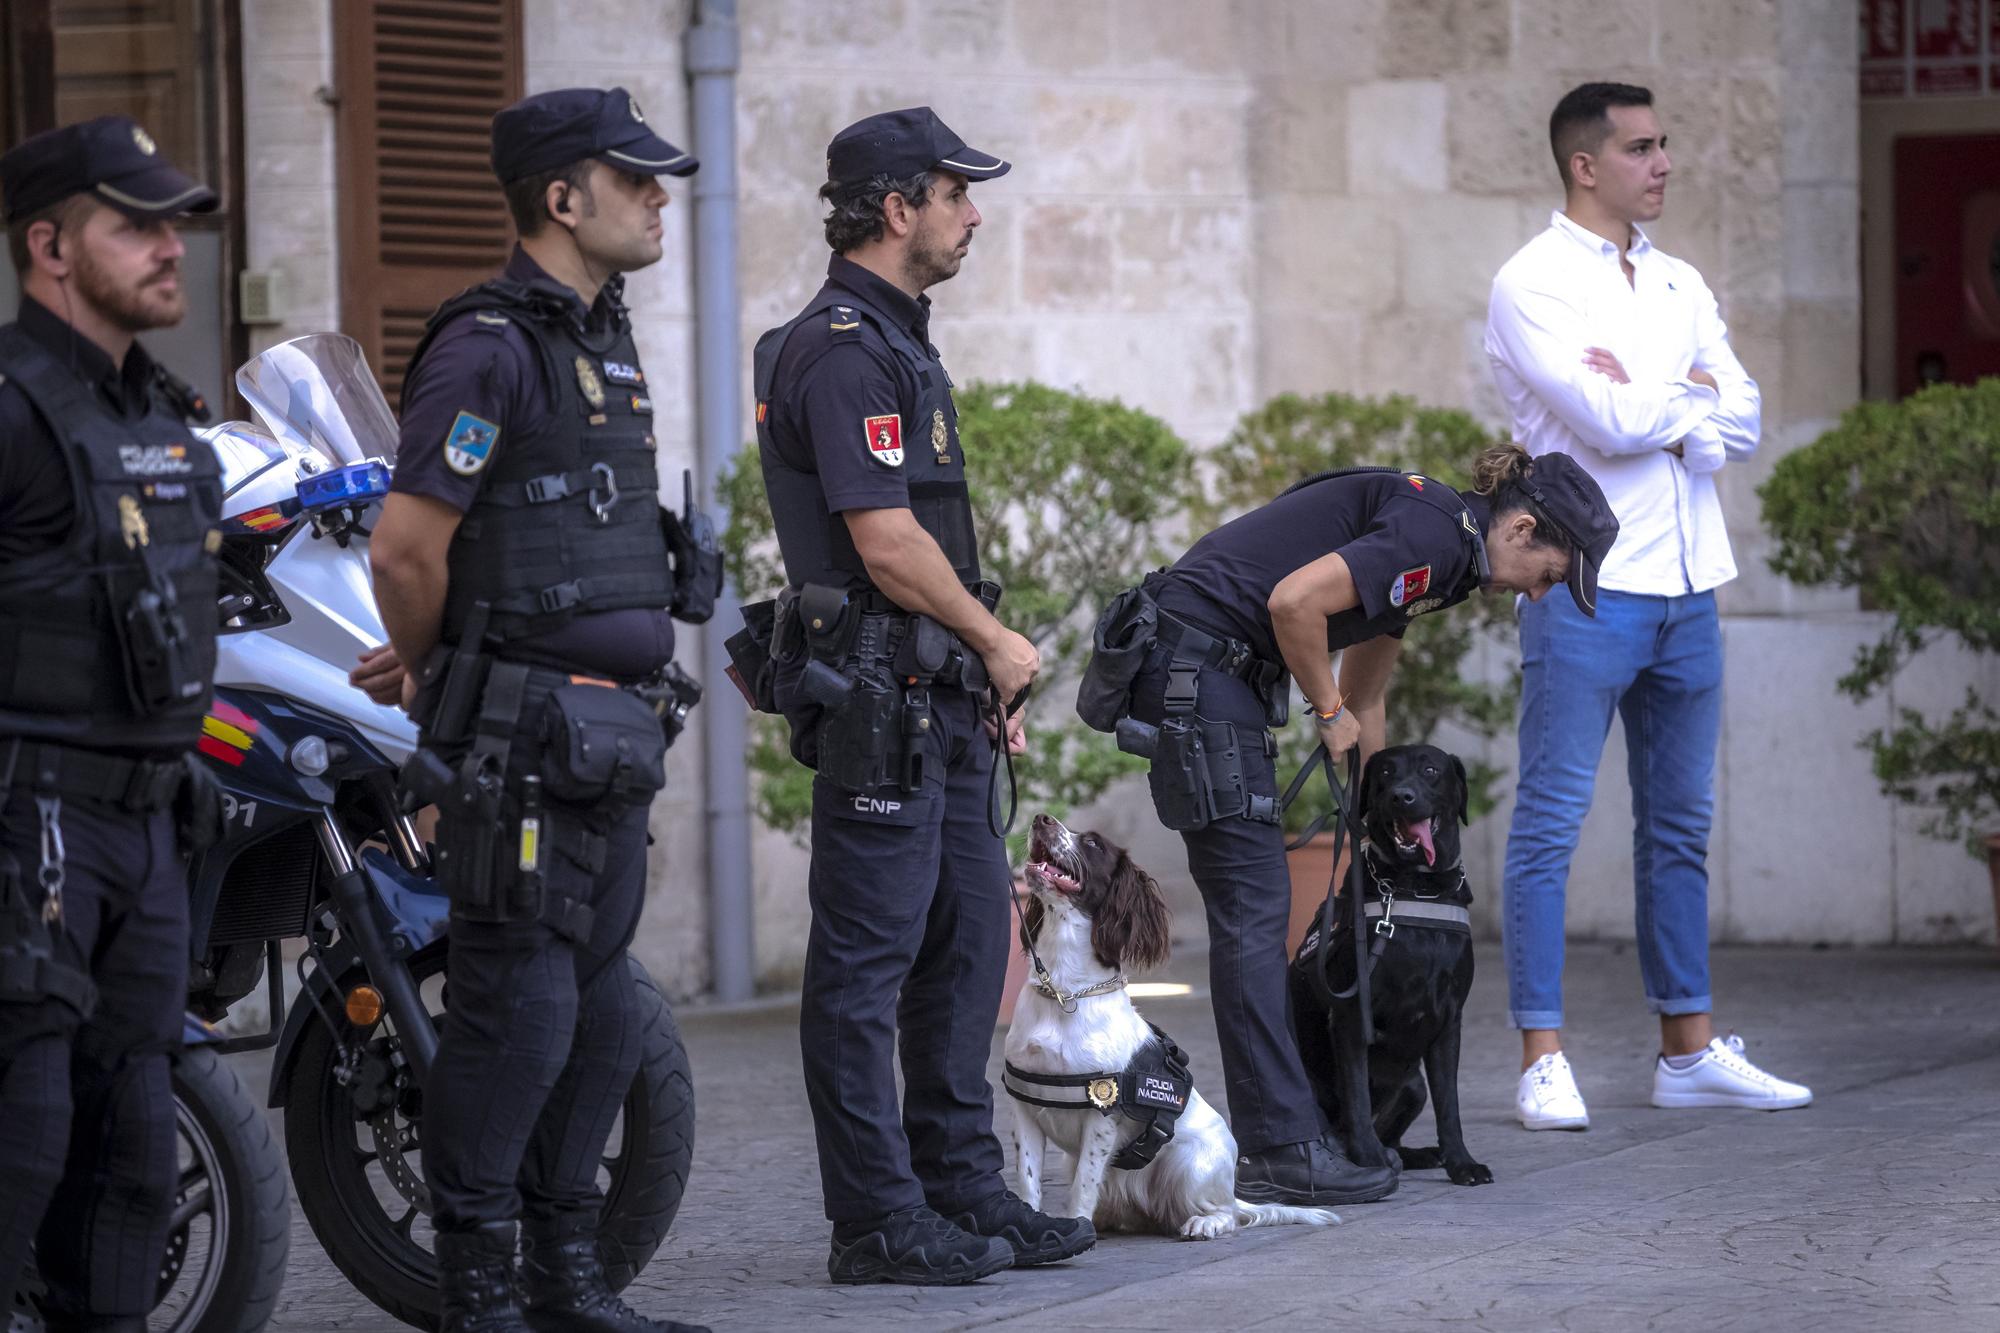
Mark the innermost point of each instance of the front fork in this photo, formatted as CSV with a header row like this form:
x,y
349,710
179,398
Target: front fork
x,y
384,956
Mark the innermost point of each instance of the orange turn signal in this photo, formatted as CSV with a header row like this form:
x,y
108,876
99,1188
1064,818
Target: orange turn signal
x,y
364,1006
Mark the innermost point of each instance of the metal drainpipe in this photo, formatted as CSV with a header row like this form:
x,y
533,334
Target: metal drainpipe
x,y
711,51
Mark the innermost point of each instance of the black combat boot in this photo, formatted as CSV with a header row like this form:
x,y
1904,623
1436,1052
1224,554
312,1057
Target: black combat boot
x,y
563,1279
476,1280
1313,1174
915,1247
1036,1238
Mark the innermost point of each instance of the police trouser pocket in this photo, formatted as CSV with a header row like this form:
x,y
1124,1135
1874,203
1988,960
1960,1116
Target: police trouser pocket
x,y
604,747
857,740
1200,774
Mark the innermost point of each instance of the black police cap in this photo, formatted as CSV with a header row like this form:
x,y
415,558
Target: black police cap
x,y
113,158
555,129
902,144
1572,499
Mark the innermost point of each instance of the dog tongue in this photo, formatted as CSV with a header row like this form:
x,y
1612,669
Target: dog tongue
x,y
1420,833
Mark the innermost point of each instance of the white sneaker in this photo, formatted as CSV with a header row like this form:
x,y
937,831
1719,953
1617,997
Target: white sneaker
x,y
1722,1077
1547,1097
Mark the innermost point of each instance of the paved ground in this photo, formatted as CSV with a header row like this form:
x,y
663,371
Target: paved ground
x,y
1878,1208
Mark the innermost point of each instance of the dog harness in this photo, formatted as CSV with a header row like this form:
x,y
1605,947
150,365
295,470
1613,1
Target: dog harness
x,y
1153,1090
1388,912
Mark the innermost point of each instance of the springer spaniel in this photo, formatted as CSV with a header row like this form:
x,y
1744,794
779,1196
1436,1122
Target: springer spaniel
x,y
1092,914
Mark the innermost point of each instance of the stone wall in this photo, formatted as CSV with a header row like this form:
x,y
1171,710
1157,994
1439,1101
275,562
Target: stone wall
x,y
1217,200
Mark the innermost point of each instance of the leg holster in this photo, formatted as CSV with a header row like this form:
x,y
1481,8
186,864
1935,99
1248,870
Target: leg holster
x,y
1199,771
30,972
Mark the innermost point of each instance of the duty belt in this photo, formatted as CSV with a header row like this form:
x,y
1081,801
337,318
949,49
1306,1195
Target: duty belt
x,y
137,785
1193,649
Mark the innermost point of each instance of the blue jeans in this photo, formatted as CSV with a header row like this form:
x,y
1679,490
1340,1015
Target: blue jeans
x,y
1656,661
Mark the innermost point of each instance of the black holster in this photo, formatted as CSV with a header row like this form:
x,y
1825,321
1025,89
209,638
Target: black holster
x,y
198,808
751,651
30,972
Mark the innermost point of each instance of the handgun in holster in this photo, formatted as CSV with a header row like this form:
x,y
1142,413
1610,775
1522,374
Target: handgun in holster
x,y
465,678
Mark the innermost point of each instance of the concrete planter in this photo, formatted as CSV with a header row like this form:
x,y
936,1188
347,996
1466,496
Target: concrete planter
x,y
1993,870
1017,957
1311,866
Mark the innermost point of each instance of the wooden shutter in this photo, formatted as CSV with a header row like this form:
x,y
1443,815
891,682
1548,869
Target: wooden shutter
x,y
422,216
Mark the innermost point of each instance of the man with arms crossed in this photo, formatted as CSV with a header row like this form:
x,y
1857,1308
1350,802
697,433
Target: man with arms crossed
x,y
1614,353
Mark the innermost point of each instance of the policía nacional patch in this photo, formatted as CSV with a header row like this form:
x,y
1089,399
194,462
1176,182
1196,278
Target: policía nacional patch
x,y
885,438
468,445
624,372
1410,585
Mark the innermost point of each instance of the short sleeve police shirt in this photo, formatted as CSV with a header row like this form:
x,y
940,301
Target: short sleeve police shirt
x,y
479,378
1407,555
844,395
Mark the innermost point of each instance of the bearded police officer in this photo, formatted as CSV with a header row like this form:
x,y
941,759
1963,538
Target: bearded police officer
x,y
108,508
522,558
886,651
1201,654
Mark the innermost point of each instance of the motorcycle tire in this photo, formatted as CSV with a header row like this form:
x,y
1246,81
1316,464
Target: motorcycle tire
x,y
372,1233
228,1147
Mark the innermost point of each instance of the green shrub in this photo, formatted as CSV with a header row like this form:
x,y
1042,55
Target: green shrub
x,y
1070,495
1902,502
1292,437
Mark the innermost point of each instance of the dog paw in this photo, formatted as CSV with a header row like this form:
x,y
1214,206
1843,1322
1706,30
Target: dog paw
x,y
1469,1173
1205,1226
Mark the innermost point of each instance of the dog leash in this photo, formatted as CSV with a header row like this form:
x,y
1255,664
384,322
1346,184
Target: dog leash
x,y
997,716
1346,820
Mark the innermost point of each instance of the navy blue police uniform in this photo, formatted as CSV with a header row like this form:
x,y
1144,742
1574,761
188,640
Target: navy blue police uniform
x,y
108,507
1413,546
909,885
531,415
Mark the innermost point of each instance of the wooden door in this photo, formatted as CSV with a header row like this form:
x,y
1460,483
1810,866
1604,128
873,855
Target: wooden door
x,y
421,215
1947,259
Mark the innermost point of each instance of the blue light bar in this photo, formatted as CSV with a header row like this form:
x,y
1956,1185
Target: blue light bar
x,y
357,483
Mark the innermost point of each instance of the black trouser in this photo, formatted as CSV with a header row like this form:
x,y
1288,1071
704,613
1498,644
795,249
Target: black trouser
x,y
87,1153
1239,866
910,932
540,1041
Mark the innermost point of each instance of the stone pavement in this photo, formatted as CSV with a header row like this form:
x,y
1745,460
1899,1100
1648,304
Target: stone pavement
x,y
1877,1208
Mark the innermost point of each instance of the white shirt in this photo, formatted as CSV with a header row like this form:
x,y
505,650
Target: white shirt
x,y
1564,292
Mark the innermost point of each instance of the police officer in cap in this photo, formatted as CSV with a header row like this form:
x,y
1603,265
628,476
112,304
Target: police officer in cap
x,y
1340,563
521,563
108,506
887,654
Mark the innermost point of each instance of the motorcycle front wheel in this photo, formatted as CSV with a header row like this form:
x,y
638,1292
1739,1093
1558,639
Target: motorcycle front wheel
x,y
360,1181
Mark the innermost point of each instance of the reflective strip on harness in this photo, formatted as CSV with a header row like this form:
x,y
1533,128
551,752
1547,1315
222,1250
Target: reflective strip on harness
x,y
1427,914
1154,1090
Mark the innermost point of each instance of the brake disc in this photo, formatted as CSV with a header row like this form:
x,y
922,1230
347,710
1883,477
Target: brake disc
x,y
394,1141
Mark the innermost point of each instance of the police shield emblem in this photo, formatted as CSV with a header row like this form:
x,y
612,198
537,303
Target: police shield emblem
x,y
588,383
1410,585
940,437
144,141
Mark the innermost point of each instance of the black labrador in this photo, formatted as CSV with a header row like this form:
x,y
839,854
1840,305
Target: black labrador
x,y
1412,801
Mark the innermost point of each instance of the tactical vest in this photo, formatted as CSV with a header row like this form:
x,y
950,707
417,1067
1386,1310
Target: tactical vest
x,y
107,641
816,544
567,517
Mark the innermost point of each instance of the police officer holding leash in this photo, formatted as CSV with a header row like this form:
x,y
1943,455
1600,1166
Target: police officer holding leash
x,y
108,506
1199,655
885,656
523,558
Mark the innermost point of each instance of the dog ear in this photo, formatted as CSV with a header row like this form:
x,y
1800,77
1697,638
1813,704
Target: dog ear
x,y
1130,929
1464,788
1031,922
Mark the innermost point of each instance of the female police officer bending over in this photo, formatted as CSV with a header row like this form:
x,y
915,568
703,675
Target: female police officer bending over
x,y
1343,561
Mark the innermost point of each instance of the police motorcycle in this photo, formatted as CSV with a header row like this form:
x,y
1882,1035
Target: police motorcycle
x,y
320,853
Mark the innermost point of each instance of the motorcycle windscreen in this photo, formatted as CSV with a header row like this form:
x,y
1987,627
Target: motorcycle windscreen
x,y
318,391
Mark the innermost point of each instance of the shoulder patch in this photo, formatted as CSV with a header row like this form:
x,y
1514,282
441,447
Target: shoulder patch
x,y
468,445
1410,585
490,319
842,319
885,438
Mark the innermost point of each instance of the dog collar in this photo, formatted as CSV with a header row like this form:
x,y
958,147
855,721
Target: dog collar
x,y
1452,877
1045,984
